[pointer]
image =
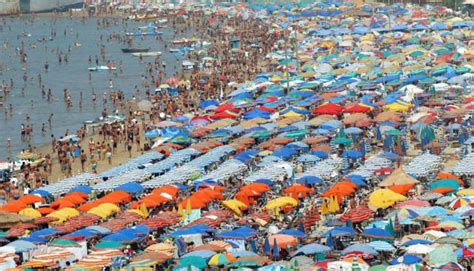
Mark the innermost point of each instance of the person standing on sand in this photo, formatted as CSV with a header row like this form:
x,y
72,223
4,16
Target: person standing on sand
x,y
129,148
108,154
93,164
83,160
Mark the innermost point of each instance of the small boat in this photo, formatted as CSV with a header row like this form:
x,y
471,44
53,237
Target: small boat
x,y
135,50
150,26
174,50
163,21
102,68
182,41
147,54
142,33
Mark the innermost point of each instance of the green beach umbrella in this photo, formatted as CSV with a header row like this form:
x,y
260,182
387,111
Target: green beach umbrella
x,y
296,133
195,175
182,140
462,70
261,134
342,141
109,245
249,262
416,53
195,261
64,243
380,267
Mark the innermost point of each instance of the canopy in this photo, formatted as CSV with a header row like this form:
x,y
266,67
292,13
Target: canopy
x,y
384,198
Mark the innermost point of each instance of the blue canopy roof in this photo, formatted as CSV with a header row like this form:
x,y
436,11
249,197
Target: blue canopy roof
x,y
377,233
340,231
207,103
82,189
405,259
132,188
309,180
239,233
285,153
246,156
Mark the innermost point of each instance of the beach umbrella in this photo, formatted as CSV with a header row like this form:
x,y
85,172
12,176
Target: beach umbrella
x,y
384,198
192,261
358,214
31,199
253,261
359,248
30,212
20,246
308,180
312,249
109,245
442,255
281,202
220,260
266,247
275,249
380,267
419,249
235,206
377,233
283,240
406,259
445,183
382,246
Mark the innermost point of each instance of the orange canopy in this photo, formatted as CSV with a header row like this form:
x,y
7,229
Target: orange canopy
x,y
87,206
62,203
195,203
116,197
45,210
169,189
78,194
298,190
442,190
257,187
208,192
14,206
149,203
30,199
401,189
76,199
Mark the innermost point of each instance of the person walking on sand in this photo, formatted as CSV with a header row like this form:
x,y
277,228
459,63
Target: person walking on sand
x,y
129,148
108,154
83,160
93,164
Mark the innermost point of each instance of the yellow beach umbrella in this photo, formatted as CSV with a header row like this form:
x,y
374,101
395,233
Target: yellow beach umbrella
x,y
281,202
188,207
384,198
30,212
235,206
144,210
463,192
324,207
